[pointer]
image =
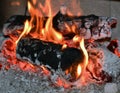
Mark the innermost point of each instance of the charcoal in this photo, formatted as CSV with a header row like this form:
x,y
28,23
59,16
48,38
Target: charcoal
x,y
113,45
98,28
17,19
48,53
15,22
90,26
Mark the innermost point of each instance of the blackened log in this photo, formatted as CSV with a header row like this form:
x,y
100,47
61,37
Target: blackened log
x,y
113,46
90,26
47,53
14,23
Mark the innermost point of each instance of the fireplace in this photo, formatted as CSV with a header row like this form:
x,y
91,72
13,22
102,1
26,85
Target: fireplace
x,y
68,51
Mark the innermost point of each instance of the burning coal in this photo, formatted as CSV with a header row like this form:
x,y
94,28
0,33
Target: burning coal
x,y
60,43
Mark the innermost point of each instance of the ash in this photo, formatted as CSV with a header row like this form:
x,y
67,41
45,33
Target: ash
x,y
15,80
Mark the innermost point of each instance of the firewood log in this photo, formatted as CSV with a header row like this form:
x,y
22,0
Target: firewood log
x,y
51,54
90,26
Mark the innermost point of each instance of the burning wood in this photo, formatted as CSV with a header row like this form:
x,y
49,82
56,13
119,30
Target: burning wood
x,y
58,42
90,27
13,24
113,47
48,53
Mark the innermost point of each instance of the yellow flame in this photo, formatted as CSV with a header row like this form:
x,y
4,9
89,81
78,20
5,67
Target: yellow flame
x,y
49,33
26,30
79,70
64,46
76,38
82,46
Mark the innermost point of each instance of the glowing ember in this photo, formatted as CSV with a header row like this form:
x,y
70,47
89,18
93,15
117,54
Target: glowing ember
x,y
113,47
48,33
35,28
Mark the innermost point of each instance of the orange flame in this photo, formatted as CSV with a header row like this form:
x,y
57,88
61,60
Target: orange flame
x,y
26,30
82,67
76,39
82,46
48,33
79,70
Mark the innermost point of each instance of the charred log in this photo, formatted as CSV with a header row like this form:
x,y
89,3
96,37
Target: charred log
x,y
113,45
14,23
90,26
51,54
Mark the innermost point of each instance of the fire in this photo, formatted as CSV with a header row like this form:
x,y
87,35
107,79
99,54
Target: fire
x,y
26,30
82,46
79,70
76,39
48,33
36,29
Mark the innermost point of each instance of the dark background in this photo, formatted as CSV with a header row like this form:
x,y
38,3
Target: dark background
x,y
9,8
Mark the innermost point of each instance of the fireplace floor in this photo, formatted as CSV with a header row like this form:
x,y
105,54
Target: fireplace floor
x,y
13,81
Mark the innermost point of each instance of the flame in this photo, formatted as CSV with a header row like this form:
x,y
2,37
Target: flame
x,y
70,28
35,28
79,70
26,30
50,34
64,46
82,46
76,38
46,33
34,1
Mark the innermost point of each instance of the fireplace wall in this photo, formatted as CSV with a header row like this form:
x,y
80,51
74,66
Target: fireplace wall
x,y
97,7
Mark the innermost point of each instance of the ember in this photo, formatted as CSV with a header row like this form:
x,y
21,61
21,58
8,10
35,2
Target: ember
x,y
60,42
